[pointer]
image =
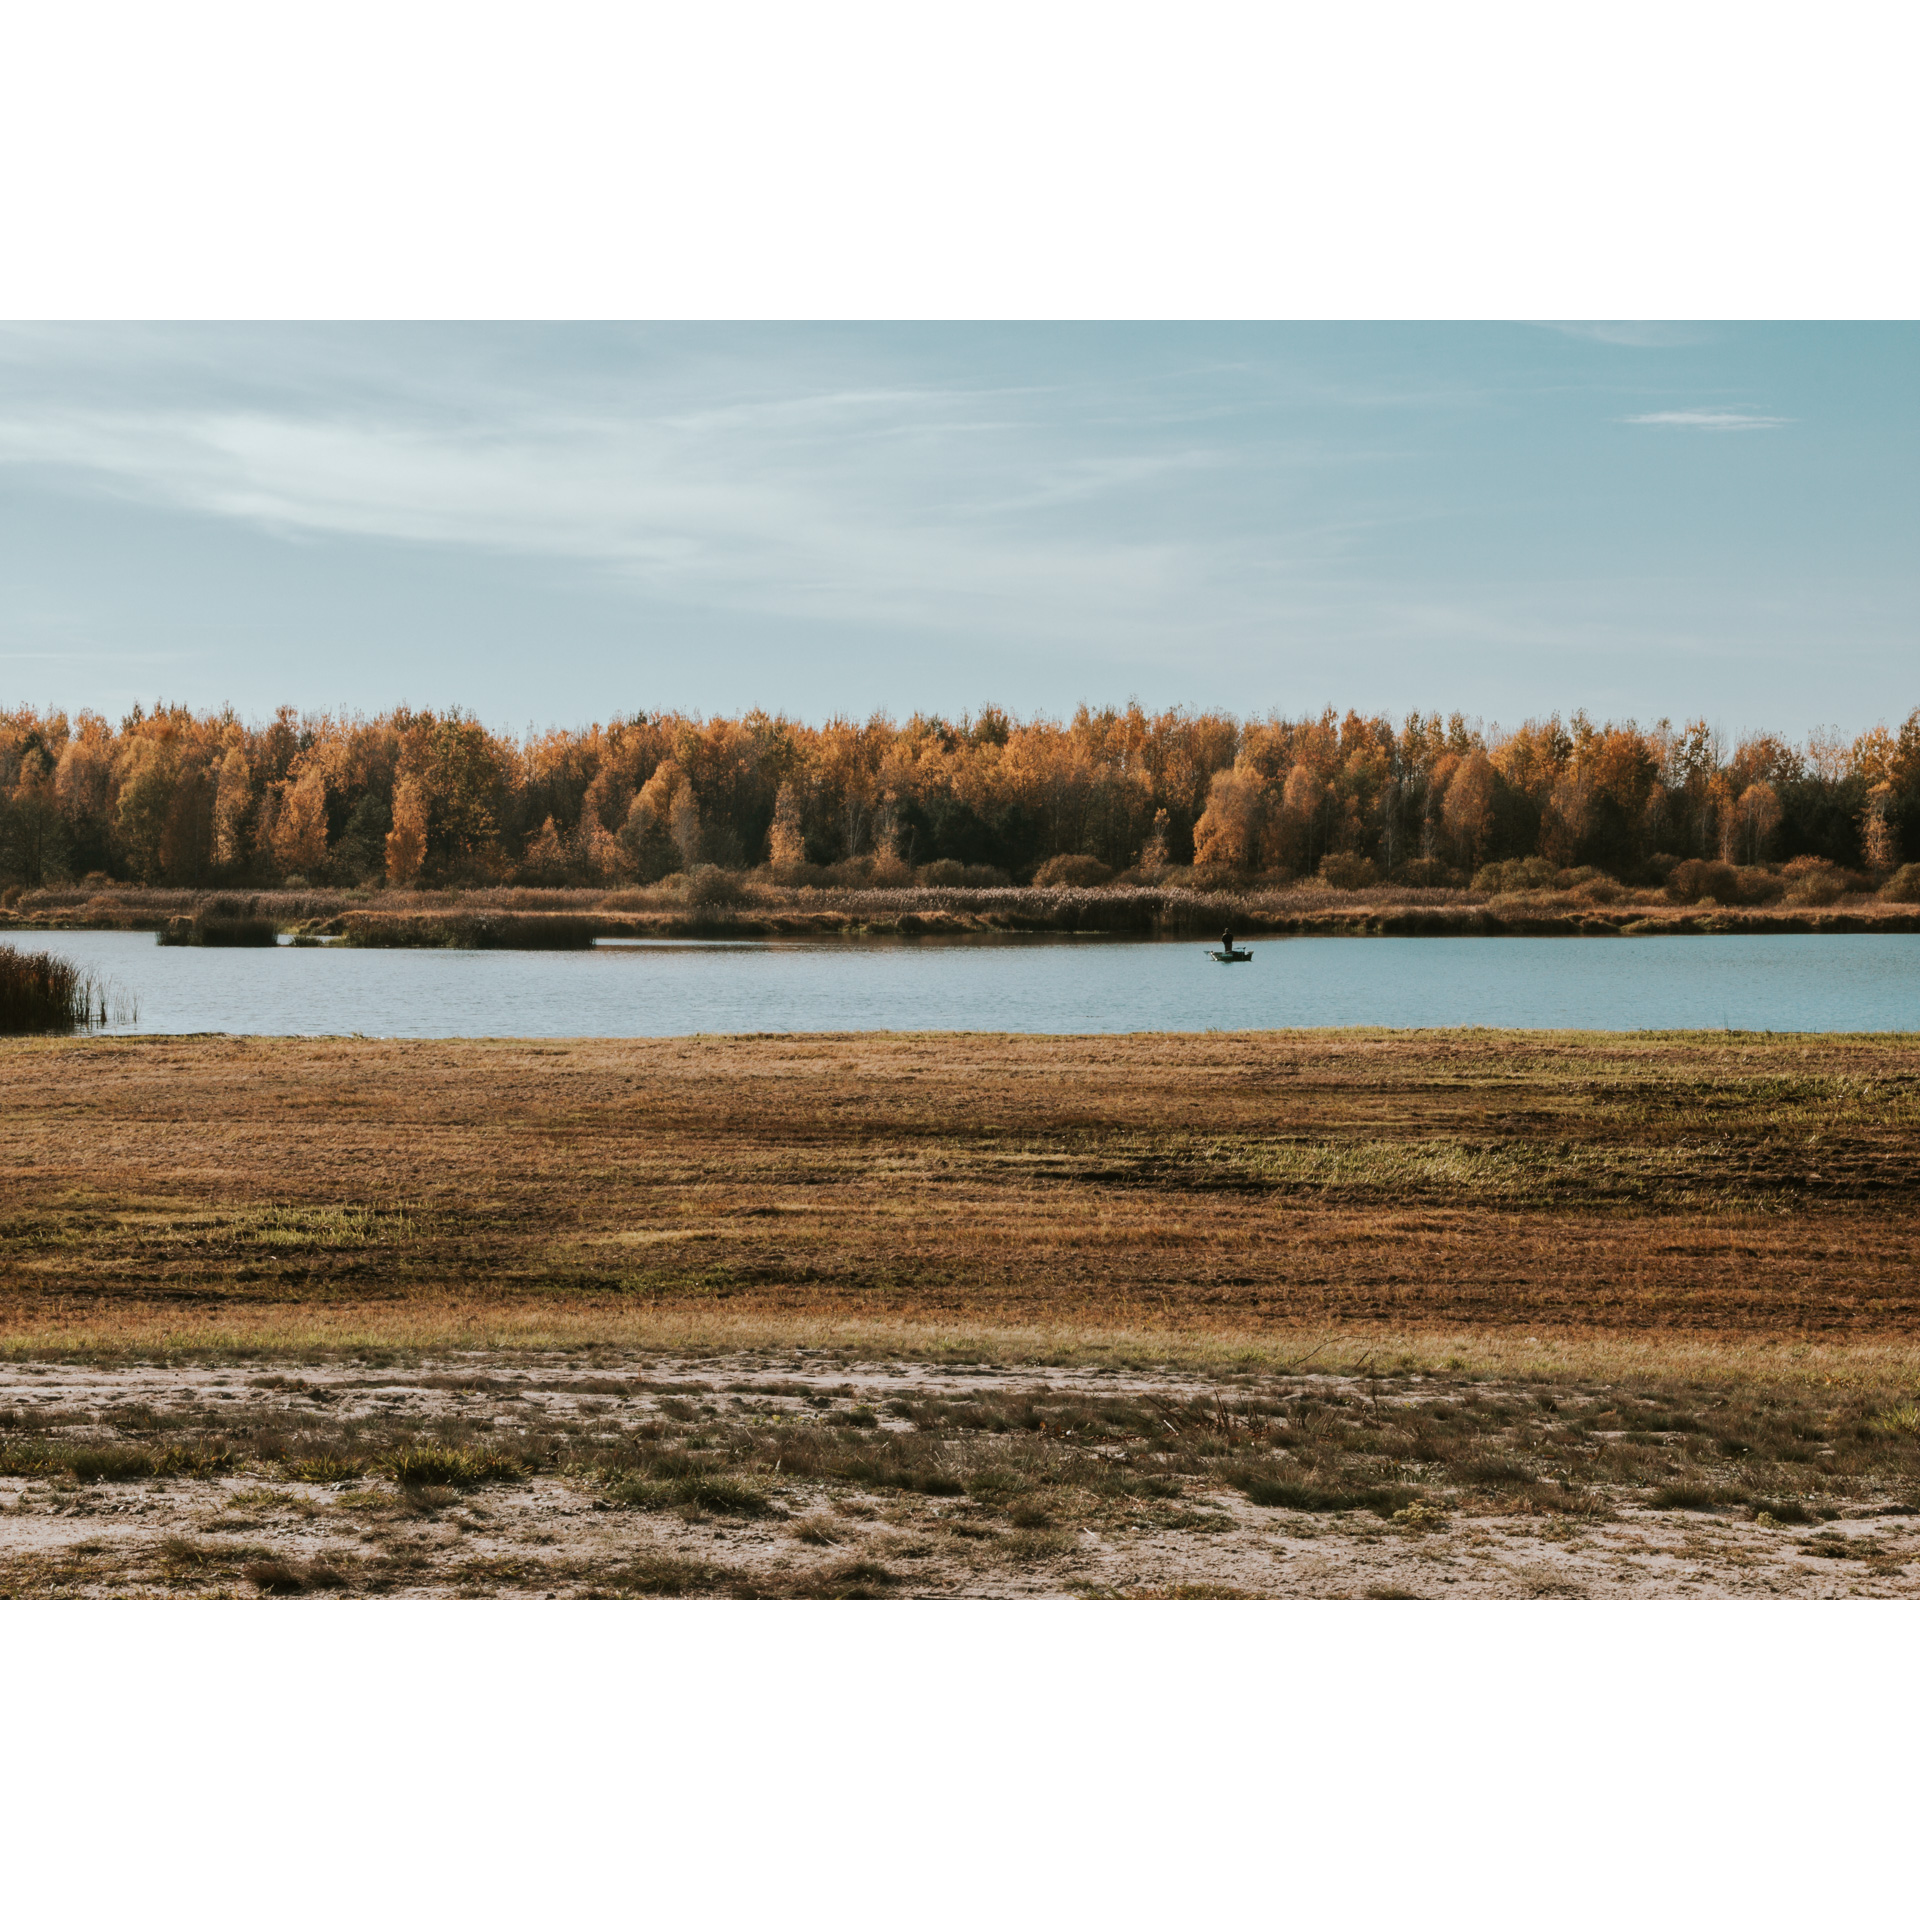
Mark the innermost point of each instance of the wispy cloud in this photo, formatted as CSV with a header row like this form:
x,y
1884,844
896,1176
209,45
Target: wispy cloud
x,y
951,502
1631,333
1708,419
879,510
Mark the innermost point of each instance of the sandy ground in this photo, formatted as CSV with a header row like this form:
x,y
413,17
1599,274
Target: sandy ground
x,y
557,1535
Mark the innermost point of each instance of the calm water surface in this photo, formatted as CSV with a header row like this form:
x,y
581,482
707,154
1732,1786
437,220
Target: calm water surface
x,y
1783,982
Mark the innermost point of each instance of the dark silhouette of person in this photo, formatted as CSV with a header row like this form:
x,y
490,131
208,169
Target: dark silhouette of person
x,y
1226,940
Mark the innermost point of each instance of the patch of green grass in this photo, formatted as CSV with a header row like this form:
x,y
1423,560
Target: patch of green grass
x,y
1686,1496
704,1492
300,1229
208,1460
445,1467
322,1469
89,1465
1495,1470
1834,1546
427,1499
141,1418
1301,1496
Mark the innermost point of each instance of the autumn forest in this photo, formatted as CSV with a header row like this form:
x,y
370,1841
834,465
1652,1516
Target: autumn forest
x,y
415,798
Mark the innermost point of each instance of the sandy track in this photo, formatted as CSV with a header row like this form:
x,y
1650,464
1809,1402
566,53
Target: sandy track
x,y
557,1534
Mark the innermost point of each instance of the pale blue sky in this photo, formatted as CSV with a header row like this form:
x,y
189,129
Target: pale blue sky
x,y
551,523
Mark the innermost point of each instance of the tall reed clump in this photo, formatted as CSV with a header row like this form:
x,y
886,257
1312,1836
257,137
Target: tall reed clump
x,y
42,993
486,931
221,921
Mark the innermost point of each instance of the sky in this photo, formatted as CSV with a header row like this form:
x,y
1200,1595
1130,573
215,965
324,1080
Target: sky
x,y
547,524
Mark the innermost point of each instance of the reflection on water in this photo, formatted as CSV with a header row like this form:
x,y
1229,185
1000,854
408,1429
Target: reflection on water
x,y
1782,982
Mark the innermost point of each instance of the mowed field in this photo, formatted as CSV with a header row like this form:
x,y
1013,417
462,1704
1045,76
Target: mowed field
x,y
1716,1187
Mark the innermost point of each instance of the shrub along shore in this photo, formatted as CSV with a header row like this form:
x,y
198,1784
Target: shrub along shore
x,y
712,904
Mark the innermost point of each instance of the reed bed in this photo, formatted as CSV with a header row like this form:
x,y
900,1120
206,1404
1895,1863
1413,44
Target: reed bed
x,y
713,904
529,932
222,920
44,993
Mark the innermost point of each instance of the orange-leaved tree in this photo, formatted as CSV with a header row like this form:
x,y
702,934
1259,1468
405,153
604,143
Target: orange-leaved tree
x,y
786,838
407,843
300,826
233,797
1227,833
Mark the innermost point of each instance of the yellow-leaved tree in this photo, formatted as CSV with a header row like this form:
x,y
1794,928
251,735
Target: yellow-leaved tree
x,y
1467,810
300,828
231,799
655,839
1228,832
1878,840
595,849
786,840
407,843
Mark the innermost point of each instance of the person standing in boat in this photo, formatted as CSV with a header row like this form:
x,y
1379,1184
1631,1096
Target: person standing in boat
x,y
1226,941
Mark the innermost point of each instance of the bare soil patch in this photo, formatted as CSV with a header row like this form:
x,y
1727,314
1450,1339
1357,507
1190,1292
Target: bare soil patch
x,y
809,1474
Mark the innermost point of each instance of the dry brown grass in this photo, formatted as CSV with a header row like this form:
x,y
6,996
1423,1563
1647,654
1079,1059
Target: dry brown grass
x,y
882,1315
1497,1198
749,906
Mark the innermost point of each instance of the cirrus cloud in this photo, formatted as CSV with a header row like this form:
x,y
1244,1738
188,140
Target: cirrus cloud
x,y
1708,419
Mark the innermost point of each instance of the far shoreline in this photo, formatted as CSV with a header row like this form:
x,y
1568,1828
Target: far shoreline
x,y
520,917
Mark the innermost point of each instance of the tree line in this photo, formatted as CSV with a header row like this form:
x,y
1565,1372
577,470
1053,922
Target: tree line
x,y
172,797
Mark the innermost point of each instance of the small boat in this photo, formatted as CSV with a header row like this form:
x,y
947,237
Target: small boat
x,y
1227,954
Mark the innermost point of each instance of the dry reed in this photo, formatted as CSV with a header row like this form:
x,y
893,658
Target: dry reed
x,y
44,993
735,905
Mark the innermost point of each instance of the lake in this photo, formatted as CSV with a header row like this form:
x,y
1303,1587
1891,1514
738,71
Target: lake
x,y
1778,982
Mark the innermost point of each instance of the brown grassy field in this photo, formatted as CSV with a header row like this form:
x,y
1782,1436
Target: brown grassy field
x,y
1227,1184
1253,1313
